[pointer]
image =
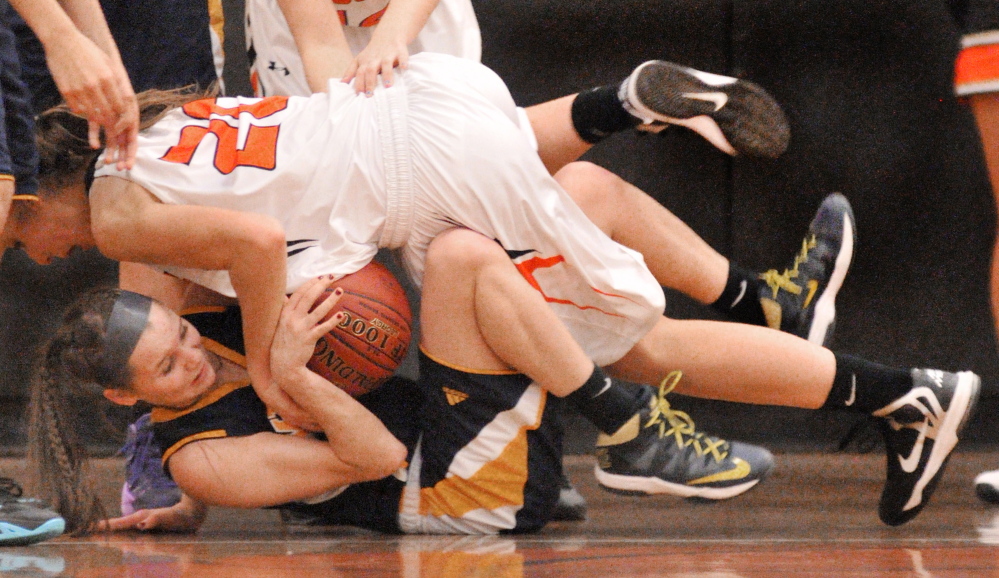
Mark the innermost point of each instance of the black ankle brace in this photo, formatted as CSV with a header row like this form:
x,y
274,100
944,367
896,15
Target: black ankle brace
x,y
598,113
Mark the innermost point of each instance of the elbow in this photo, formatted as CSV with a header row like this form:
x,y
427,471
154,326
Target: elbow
x,y
383,463
269,238
395,458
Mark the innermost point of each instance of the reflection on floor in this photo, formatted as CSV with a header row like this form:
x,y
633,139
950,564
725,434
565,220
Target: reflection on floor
x,y
816,516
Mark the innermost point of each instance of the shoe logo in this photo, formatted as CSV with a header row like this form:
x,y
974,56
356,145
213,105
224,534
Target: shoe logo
x,y
925,401
910,463
742,293
741,470
853,390
813,286
720,99
607,385
454,397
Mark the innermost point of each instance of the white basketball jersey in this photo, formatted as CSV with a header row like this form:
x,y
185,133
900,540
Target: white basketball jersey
x,y
300,160
345,174
277,68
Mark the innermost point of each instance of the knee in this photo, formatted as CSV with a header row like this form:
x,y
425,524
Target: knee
x,y
461,250
589,185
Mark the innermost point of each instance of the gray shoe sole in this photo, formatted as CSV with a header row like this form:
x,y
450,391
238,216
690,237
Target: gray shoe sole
x,y
736,116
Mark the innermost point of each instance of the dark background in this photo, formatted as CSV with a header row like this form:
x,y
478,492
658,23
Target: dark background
x,y
867,87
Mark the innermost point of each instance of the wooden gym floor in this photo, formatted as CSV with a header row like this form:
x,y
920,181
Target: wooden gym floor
x,y
815,516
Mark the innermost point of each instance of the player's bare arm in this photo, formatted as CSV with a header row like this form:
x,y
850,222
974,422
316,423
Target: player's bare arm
x,y
319,38
187,515
129,224
402,21
88,70
267,469
358,438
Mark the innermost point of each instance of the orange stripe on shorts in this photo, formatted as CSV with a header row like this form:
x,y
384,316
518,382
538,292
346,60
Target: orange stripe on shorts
x,y
977,69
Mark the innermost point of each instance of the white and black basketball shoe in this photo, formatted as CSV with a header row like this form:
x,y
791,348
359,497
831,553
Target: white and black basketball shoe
x,y
736,116
920,429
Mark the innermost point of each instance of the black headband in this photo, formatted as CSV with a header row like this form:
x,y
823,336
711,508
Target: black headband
x,y
125,325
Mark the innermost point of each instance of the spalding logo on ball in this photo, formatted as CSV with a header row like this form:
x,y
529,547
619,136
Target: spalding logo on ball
x,y
367,346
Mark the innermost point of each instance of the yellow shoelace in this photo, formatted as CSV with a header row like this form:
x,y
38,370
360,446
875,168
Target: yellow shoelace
x,y
680,425
778,281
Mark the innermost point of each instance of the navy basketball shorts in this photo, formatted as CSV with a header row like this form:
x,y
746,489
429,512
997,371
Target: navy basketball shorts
x,y
489,459
18,155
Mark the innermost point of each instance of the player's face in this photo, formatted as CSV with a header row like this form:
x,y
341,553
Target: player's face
x,y
52,227
170,367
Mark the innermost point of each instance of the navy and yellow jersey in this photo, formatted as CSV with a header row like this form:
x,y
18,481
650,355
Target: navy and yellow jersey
x,y
234,410
231,410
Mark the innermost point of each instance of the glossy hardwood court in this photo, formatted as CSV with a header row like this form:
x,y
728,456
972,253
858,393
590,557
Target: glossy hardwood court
x,y
816,516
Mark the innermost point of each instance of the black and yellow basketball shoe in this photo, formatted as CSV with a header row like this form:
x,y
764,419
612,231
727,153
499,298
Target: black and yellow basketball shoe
x,y
737,116
802,299
659,451
921,429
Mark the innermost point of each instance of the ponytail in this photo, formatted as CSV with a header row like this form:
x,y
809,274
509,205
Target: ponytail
x,y
69,366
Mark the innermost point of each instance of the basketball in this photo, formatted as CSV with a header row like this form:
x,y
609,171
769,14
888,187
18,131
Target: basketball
x,y
370,342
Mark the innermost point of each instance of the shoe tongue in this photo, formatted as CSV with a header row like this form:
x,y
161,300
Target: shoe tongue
x,y
624,434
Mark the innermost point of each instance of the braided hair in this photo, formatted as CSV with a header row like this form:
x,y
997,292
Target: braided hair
x,y
71,364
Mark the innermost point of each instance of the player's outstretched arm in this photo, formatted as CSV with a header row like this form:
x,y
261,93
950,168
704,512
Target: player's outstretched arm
x,y
389,43
88,71
319,38
187,515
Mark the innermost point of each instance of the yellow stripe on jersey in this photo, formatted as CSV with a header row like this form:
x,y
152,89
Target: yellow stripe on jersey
x,y
491,471
163,414
205,435
22,197
468,370
224,352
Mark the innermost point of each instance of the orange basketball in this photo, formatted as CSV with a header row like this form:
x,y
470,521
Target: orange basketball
x,y
367,346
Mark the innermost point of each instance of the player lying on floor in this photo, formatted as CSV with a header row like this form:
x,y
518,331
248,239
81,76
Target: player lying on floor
x,y
315,186
489,462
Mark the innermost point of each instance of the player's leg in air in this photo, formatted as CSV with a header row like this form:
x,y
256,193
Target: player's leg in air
x,y
736,116
798,298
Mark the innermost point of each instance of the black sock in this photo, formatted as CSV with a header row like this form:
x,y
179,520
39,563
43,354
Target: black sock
x,y
606,403
740,300
598,113
866,386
